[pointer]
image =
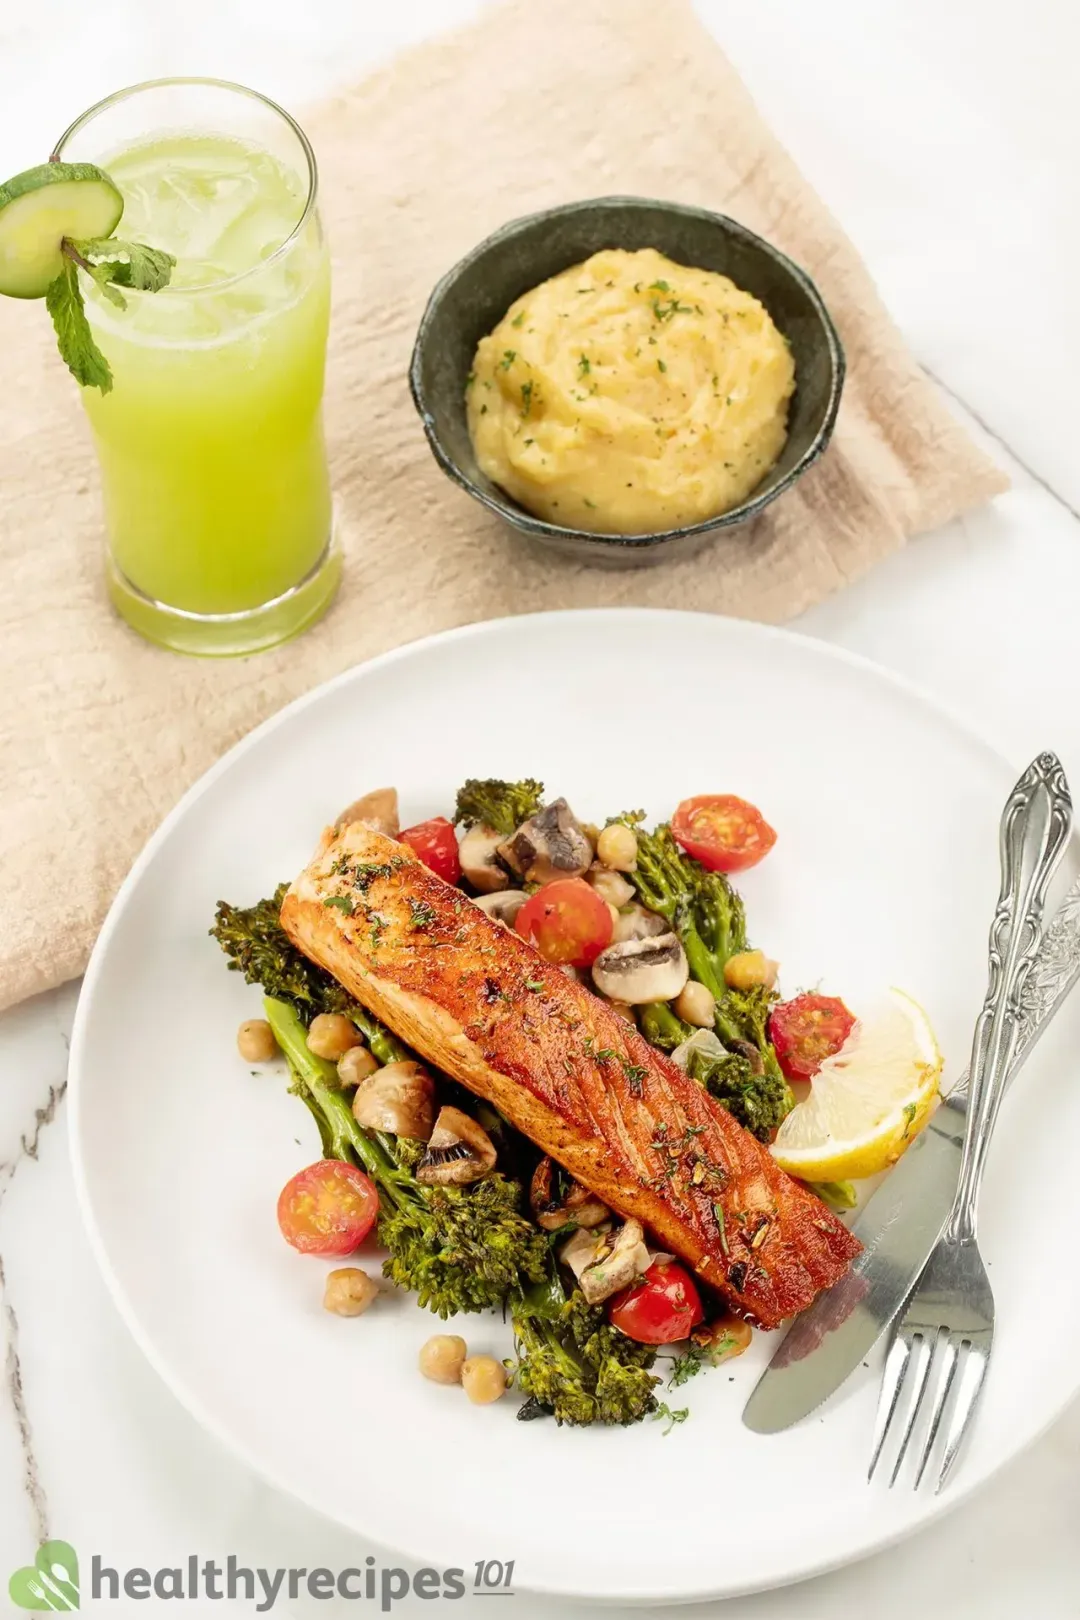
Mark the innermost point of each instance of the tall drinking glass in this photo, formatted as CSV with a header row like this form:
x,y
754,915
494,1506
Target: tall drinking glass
x,y
213,463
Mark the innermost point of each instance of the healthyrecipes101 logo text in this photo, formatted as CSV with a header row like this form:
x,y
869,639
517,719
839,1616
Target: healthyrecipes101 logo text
x,y
52,1581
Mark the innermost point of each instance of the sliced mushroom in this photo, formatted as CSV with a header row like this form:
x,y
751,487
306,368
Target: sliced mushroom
x,y
640,970
399,1098
603,1265
723,1338
551,844
503,906
458,1151
634,922
557,1199
378,809
478,852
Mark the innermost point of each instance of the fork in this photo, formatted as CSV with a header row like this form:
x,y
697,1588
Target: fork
x,y
947,1325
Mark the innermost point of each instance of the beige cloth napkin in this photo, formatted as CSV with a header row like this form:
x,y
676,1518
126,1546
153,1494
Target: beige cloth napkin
x,y
539,102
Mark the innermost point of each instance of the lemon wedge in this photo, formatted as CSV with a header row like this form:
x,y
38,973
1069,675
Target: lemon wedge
x,y
868,1101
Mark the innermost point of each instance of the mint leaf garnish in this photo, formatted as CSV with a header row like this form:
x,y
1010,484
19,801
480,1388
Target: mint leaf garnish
x,y
74,339
143,268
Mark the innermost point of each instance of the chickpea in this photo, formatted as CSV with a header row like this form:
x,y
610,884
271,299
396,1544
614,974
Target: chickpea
x,y
611,886
255,1041
591,831
355,1065
442,1358
483,1379
748,969
617,847
332,1035
349,1291
695,1004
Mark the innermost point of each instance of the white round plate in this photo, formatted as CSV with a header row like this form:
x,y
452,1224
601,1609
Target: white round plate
x,y
885,872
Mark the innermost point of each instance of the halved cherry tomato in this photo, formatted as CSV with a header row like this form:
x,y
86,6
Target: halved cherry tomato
x,y
329,1208
663,1307
806,1031
436,844
724,833
567,922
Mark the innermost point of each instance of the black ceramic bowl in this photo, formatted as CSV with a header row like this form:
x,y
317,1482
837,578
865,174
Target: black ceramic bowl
x,y
474,296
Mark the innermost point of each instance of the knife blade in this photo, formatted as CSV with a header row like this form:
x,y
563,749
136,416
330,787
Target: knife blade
x,y
902,1221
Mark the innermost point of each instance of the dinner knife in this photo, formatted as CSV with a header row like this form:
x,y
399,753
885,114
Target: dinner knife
x,y
902,1220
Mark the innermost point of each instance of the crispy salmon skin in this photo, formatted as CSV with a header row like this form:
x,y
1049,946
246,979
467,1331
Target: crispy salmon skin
x,y
481,1004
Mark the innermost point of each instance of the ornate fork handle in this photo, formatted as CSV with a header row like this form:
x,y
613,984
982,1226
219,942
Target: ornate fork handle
x,y
1034,828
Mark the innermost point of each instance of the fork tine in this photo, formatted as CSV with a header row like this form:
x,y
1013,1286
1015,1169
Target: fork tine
x,y
925,1353
892,1382
969,1387
949,1357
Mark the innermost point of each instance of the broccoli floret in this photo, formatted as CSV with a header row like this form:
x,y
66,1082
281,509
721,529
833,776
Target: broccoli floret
x,y
502,806
456,1248
258,947
758,1099
572,1364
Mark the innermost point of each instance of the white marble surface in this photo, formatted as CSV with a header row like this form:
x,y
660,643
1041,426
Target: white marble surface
x,y
944,136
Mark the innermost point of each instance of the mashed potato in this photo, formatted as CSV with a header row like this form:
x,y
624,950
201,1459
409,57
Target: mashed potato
x,y
630,394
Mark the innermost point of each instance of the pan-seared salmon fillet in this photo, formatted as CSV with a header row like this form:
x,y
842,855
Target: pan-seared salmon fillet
x,y
481,1004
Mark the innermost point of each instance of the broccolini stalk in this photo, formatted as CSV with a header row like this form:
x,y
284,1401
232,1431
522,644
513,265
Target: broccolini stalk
x,y
660,1026
456,1248
838,1195
709,918
572,1364
502,806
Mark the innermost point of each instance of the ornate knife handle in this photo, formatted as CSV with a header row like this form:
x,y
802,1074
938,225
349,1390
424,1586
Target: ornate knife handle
x,y
1034,828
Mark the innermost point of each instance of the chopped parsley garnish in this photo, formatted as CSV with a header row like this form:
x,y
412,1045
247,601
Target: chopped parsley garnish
x,y
527,397
661,366
635,1074
584,367
534,984
664,1413
518,319
423,914
685,1366
341,902
509,356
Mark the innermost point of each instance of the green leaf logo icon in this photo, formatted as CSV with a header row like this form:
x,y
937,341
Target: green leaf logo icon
x,y
50,1582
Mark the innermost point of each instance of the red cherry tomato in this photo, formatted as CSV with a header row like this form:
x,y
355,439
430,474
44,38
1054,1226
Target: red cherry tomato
x,y
436,844
663,1307
722,832
567,922
329,1208
806,1031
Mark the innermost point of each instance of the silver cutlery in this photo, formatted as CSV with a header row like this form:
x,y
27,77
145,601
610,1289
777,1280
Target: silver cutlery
x,y
902,1221
945,1335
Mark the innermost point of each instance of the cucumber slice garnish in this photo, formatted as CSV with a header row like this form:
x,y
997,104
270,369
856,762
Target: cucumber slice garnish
x,y
42,206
